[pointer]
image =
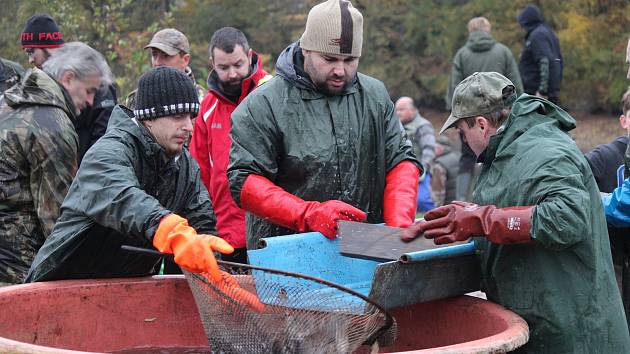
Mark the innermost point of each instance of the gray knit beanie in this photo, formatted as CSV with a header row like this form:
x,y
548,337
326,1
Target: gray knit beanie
x,y
334,27
165,91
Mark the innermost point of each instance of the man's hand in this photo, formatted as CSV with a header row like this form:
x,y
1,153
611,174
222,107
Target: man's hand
x,y
454,222
263,198
192,251
459,221
323,217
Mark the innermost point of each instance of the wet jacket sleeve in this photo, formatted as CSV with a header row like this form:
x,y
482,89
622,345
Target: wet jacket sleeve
x,y
53,164
562,214
254,144
111,194
617,205
198,210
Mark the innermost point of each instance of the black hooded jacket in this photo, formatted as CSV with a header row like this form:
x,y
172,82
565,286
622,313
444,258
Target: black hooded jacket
x,y
540,42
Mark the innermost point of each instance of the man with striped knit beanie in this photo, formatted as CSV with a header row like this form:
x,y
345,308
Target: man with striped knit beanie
x,y
137,186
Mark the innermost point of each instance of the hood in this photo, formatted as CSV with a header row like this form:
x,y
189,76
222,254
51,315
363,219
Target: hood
x,y
527,104
523,119
123,124
213,80
530,17
290,65
480,41
38,88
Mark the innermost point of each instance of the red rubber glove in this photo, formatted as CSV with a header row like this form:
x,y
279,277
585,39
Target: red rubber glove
x,y
401,192
263,198
192,251
459,221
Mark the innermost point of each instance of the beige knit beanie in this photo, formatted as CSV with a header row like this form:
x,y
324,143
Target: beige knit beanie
x,y
334,27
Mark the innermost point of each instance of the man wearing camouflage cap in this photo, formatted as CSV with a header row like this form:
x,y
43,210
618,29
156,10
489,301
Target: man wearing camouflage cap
x,y
319,142
169,47
539,227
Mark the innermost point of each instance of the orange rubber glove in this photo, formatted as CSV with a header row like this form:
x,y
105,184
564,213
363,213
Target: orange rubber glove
x,y
230,287
401,195
263,198
459,221
192,251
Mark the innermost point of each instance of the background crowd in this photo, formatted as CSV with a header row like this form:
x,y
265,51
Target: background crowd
x,y
410,44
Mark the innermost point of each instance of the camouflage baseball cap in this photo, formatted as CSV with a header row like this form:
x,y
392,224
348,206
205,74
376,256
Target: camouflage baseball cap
x,y
480,93
170,41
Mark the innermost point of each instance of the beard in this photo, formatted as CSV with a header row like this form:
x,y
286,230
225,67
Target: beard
x,y
320,80
232,88
328,90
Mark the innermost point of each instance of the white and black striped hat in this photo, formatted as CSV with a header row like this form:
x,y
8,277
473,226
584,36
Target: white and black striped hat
x,y
334,27
165,91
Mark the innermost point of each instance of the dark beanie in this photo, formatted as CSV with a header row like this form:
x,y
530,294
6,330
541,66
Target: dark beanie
x,y
41,31
165,91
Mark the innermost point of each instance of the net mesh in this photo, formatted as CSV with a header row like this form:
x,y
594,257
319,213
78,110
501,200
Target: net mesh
x,y
258,310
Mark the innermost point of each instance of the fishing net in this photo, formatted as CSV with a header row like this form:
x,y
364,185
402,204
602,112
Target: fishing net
x,y
259,310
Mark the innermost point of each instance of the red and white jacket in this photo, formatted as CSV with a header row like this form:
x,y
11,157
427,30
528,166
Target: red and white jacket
x,y
210,147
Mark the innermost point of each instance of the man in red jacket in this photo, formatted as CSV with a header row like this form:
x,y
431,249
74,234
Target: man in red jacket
x,y
236,71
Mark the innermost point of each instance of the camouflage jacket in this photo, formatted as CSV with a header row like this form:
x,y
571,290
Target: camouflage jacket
x,y
10,73
38,159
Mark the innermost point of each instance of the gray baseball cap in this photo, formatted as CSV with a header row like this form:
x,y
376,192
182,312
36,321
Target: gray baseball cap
x,y
170,41
480,93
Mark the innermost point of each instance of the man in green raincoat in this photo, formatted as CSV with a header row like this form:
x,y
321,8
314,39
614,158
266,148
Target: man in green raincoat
x,y
136,186
538,222
319,142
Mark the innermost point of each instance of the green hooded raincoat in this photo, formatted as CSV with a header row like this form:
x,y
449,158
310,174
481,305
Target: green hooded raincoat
x,y
482,53
563,282
314,146
124,187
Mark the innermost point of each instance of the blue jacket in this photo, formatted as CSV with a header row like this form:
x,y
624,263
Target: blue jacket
x,y
617,206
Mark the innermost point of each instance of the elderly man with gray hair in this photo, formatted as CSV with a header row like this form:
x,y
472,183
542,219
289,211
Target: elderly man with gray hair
x,y
38,149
